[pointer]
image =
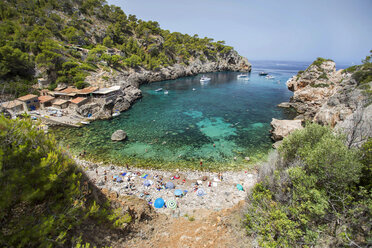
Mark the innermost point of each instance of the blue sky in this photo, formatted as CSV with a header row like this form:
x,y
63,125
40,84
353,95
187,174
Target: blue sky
x,y
269,29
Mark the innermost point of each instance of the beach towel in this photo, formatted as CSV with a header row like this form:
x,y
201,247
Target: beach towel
x,y
123,174
144,176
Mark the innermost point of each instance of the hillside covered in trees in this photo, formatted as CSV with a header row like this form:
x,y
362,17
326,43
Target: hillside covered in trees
x,y
65,41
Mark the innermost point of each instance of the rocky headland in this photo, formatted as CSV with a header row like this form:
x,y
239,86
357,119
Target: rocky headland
x,y
332,97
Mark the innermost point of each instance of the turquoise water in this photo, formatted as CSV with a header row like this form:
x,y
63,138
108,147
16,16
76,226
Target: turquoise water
x,y
217,122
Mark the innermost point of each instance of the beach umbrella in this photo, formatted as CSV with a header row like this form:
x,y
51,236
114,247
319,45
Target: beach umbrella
x,y
147,183
172,204
119,179
115,177
200,192
159,203
178,192
239,187
169,185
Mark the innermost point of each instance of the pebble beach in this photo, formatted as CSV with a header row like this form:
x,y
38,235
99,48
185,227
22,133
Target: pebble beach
x,y
202,190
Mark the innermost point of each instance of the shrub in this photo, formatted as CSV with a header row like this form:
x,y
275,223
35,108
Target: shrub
x,y
312,193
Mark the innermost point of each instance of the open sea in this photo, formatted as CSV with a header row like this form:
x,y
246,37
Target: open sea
x,y
219,123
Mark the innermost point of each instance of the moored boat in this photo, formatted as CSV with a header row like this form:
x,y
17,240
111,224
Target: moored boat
x,y
243,76
262,73
204,79
160,89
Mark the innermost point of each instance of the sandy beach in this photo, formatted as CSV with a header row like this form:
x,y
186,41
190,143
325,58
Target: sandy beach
x,y
201,190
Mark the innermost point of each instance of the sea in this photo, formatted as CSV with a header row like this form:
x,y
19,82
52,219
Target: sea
x,y
219,123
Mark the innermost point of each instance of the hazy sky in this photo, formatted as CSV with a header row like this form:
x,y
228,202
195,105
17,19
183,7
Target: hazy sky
x,y
269,29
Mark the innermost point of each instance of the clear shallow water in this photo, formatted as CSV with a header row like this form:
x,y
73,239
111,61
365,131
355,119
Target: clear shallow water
x,y
179,129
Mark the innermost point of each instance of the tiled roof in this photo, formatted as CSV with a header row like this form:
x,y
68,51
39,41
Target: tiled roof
x,y
11,104
78,100
88,90
27,97
69,90
60,102
43,99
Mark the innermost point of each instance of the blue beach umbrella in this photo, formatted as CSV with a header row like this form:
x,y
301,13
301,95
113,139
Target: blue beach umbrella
x,y
159,203
169,185
178,192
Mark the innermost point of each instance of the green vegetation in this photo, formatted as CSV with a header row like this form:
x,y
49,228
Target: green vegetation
x,y
319,192
321,85
323,76
319,61
34,35
45,199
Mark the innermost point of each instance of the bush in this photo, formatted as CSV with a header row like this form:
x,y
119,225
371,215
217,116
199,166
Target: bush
x,y
313,193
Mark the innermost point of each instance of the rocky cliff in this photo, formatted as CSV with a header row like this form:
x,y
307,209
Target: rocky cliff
x,y
231,61
330,97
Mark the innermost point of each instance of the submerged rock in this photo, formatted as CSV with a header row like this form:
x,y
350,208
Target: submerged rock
x,y
119,135
282,128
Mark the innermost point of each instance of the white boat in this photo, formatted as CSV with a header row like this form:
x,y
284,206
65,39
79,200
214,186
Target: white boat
x,y
166,92
160,89
243,76
269,77
116,114
193,89
85,122
205,79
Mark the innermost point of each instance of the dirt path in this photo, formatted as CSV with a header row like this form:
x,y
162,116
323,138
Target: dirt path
x,y
208,229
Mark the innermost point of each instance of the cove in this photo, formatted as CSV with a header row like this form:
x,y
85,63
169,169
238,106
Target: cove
x,y
213,122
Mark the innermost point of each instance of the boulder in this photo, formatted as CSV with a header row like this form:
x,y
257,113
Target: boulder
x,y
284,105
119,135
282,128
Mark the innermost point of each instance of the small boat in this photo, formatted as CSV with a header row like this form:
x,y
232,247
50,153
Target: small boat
x,y
205,79
243,76
160,89
193,89
166,92
269,77
85,122
262,73
116,114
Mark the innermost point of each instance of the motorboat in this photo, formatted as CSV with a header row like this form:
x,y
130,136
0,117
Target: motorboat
x,y
269,77
85,122
166,92
262,73
160,89
243,76
193,89
117,113
205,79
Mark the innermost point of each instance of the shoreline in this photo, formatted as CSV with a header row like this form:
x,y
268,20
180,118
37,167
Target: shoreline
x,y
218,194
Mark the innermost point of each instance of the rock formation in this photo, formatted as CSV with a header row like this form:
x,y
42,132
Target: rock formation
x,y
330,97
230,62
282,128
119,135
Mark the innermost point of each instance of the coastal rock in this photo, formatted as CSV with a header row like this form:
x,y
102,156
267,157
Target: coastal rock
x,y
119,135
282,128
330,97
284,105
88,109
313,87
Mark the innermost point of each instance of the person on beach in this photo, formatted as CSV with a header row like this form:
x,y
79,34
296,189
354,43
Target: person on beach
x,y
127,166
201,164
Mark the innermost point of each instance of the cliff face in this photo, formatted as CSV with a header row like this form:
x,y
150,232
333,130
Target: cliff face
x,y
229,62
331,97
